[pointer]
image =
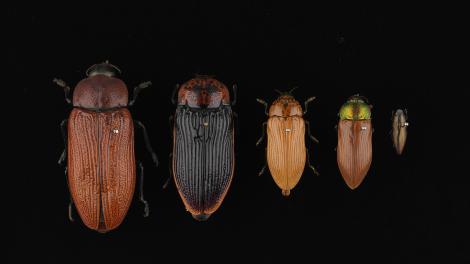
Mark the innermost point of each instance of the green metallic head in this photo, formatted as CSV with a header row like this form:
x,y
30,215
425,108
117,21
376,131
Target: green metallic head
x,y
355,108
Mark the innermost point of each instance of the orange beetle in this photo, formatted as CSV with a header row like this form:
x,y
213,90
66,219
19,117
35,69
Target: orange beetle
x,y
286,153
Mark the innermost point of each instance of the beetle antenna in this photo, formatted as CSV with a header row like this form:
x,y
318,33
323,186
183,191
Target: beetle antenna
x,y
265,105
307,102
291,90
137,90
62,84
279,92
234,89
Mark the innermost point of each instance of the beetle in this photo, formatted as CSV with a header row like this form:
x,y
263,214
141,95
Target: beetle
x,y
399,129
99,148
286,153
203,156
354,150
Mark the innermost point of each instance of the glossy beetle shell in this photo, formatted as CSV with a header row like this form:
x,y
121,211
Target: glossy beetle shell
x,y
101,162
101,166
354,150
399,130
203,149
286,152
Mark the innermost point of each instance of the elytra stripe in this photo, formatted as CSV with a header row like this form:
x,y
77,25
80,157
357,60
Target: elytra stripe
x,y
286,152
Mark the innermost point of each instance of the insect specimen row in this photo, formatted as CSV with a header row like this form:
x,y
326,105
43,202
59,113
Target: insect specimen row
x,y
102,170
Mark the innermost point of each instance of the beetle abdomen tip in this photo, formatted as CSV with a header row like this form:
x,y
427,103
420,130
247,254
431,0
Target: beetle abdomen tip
x,y
286,192
353,186
201,217
102,231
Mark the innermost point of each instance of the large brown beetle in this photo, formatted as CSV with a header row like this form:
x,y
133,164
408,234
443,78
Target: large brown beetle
x,y
354,150
286,153
99,140
203,157
399,129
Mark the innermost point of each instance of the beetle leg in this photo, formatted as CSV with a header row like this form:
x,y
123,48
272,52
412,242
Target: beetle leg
x,y
62,84
70,208
137,90
71,200
170,169
235,124
147,142
263,133
234,89
141,190
63,130
310,133
307,102
173,94
265,105
171,123
310,165
170,157
261,172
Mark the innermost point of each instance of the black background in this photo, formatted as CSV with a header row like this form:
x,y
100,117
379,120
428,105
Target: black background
x,y
410,208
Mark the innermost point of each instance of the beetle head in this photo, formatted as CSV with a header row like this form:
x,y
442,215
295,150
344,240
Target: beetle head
x,y
285,97
285,105
104,68
286,93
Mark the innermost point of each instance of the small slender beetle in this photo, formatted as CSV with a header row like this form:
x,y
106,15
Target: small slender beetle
x,y
203,158
399,129
99,148
354,150
286,153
